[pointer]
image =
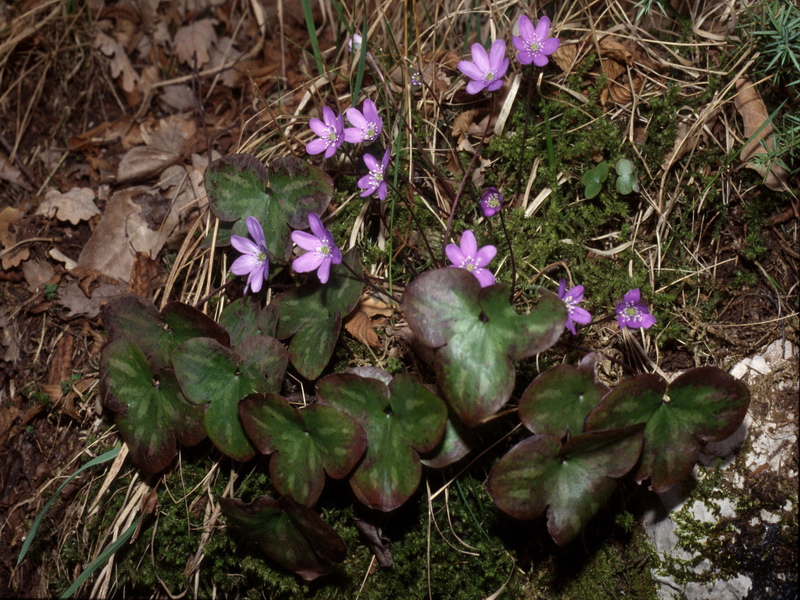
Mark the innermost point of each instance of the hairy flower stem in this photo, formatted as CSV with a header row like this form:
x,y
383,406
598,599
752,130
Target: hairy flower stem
x,y
524,140
466,176
510,254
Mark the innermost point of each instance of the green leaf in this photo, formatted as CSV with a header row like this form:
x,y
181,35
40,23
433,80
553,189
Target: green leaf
x,y
593,180
98,460
137,320
102,558
151,413
572,481
703,404
477,335
239,186
292,535
313,313
218,377
401,420
559,399
626,176
305,444
245,316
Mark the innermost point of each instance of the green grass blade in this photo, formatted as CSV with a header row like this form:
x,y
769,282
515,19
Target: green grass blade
x,y
37,521
101,559
362,60
312,34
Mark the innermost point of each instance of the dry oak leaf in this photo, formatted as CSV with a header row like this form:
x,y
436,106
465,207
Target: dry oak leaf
x,y
104,133
10,256
120,63
754,118
371,311
74,206
194,42
163,146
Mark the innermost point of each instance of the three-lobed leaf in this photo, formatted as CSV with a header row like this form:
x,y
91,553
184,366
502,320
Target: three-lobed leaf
x,y
151,412
305,444
571,480
218,377
702,404
312,313
292,535
157,333
281,197
477,336
559,399
401,419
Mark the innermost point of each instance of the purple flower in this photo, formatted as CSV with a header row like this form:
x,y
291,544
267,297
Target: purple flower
x,y
485,70
416,79
470,258
571,297
254,261
375,179
633,313
533,46
367,126
354,43
491,202
322,250
331,133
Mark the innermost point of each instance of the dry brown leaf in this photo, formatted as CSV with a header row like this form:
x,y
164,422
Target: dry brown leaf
x,y
164,145
462,122
78,304
105,133
74,206
11,173
358,325
56,254
37,273
144,275
135,219
564,57
611,48
754,114
194,42
612,69
12,259
8,218
120,63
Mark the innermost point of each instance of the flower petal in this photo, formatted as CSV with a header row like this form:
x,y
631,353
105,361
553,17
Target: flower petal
x,y
305,240
329,116
244,245
562,286
470,69
307,262
469,245
576,293
474,87
382,191
520,44
496,55
485,255
245,264
317,228
256,232
318,127
580,315
484,276
648,321
550,45
371,162
356,118
370,111
316,146
324,271
542,28
336,255
633,296
385,159
525,27
540,59
480,58
454,254
255,280
353,135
